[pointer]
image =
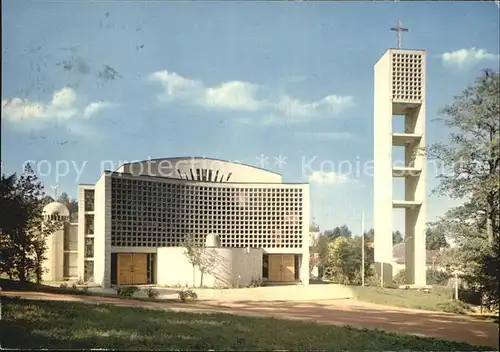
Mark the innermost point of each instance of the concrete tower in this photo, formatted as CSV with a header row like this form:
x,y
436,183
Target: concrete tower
x,y
400,91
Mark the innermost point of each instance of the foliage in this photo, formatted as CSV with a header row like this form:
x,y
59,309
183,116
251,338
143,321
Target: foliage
x,y
455,307
255,282
24,231
433,277
471,170
342,263
151,293
435,238
126,291
397,237
471,158
187,295
437,277
342,231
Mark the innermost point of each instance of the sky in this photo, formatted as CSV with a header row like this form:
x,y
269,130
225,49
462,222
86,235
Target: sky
x,y
287,86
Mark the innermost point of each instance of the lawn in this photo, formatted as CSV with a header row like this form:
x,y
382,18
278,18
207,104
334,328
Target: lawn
x,y
49,324
439,299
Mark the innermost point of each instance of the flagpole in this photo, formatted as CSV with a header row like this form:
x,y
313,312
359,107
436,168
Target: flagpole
x,y
363,249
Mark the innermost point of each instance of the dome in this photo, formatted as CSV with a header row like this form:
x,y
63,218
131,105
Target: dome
x,y
56,208
212,241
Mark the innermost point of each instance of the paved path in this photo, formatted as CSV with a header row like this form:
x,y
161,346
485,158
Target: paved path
x,y
338,312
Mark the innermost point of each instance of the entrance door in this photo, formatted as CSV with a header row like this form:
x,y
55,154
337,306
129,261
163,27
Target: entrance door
x,y
281,268
125,270
288,268
132,268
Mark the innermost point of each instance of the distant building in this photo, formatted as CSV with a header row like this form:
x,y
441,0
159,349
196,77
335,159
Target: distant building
x,y
432,261
133,221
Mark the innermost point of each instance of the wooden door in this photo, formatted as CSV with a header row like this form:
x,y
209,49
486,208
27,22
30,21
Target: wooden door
x,y
274,265
287,268
125,268
281,268
140,274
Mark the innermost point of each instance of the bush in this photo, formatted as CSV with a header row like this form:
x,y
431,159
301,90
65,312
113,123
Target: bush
x,y
187,295
437,277
63,285
255,283
433,277
469,296
126,291
74,286
151,292
456,307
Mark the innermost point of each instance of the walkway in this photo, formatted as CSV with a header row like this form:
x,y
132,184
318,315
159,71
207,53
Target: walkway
x,y
338,312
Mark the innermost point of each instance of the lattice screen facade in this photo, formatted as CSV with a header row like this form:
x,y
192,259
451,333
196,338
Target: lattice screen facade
x,y
147,213
407,76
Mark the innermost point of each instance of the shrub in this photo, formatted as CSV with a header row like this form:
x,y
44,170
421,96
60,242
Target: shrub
x,y
456,307
255,283
437,277
151,292
80,281
187,295
74,286
469,296
126,291
63,285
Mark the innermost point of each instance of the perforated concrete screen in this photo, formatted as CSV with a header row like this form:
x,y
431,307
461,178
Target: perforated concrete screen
x,y
155,214
407,76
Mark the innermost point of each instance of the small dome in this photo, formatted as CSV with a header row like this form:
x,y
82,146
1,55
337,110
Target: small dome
x,y
212,240
56,208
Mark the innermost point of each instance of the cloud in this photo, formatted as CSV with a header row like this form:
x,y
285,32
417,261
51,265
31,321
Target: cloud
x,y
326,136
94,108
466,58
240,96
63,106
328,178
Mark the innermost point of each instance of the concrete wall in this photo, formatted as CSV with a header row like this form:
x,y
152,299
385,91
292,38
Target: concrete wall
x,y
102,231
81,227
53,265
382,177
231,267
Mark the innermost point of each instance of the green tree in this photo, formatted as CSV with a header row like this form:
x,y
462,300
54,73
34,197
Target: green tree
x,y
435,238
343,260
471,158
471,167
342,231
397,237
24,232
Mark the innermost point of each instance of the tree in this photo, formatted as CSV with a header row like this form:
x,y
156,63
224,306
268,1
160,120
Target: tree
x,y
471,158
343,260
198,256
23,237
397,237
435,238
471,170
342,231
71,204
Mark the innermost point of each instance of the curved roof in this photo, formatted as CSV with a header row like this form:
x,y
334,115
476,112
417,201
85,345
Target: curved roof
x,y
200,169
202,158
55,208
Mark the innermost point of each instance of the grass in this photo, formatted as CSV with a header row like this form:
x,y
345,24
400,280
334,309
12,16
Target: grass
x,y
62,325
13,285
439,299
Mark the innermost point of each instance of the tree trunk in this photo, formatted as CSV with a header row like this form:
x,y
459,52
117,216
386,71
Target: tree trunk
x,y
194,271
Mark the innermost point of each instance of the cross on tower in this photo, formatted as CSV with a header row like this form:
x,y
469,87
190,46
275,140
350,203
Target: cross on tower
x,y
399,30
